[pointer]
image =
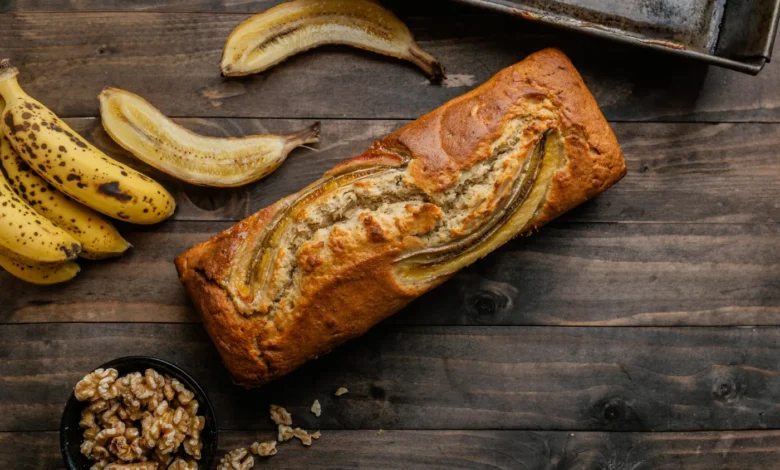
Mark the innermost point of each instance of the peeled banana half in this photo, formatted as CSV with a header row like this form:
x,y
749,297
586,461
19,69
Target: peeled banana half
x,y
152,137
99,239
72,165
270,37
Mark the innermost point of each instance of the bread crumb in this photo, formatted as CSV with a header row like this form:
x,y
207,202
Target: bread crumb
x,y
316,408
380,432
285,433
264,449
280,416
341,391
316,435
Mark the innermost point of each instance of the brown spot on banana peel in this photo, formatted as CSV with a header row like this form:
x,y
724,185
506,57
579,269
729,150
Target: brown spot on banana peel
x,y
9,122
112,190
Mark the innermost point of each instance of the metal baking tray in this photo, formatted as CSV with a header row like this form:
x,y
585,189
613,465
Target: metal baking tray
x,y
736,34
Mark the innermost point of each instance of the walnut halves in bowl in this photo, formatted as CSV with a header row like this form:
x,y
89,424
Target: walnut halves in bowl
x,y
134,416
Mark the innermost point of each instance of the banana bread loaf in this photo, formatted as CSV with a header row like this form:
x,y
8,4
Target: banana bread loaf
x,y
325,264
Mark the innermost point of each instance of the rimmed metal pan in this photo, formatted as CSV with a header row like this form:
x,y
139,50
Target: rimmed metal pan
x,y
736,34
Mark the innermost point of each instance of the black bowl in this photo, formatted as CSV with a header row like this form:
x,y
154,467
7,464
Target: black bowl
x,y
71,433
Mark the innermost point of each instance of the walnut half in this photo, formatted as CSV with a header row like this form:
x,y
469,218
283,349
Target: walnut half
x,y
236,459
264,449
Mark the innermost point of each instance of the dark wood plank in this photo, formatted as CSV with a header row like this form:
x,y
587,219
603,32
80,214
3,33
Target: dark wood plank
x,y
568,274
554,378
171,59
245,6
677,172
493,450
439,7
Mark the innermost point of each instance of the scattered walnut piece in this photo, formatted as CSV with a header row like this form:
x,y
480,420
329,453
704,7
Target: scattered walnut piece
x,y
280,416
181,464
264,449
303,436
285,433
236,459
341,391
316,435
316,408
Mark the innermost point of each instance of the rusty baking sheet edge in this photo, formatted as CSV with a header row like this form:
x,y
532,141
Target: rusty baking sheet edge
x,y
750,66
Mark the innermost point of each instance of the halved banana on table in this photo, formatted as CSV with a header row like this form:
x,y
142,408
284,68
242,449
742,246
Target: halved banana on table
x,y
99,239
270,37
155,139
72,165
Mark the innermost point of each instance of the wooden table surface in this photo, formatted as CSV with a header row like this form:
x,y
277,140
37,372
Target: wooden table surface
x,y
639,331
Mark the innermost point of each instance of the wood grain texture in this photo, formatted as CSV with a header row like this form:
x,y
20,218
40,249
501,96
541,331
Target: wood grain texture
x,y
580,342
568,274
243,6
552,378
477,450
171,59
429,7
677,172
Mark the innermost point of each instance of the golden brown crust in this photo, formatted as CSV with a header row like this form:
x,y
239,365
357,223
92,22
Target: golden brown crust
x,y
357,288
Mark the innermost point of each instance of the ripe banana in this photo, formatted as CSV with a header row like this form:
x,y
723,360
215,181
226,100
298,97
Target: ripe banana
x,y
99,239
43,274
270,37
148,134
28,236
73,165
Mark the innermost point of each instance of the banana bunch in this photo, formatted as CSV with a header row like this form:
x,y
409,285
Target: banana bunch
x,y
52,182
72,165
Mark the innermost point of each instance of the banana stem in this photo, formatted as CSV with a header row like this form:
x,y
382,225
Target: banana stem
x,y
428,63
9,87
309,135
7,70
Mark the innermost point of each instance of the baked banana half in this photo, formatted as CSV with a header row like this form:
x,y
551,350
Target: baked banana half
x,y
325,264
155,139
270,37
